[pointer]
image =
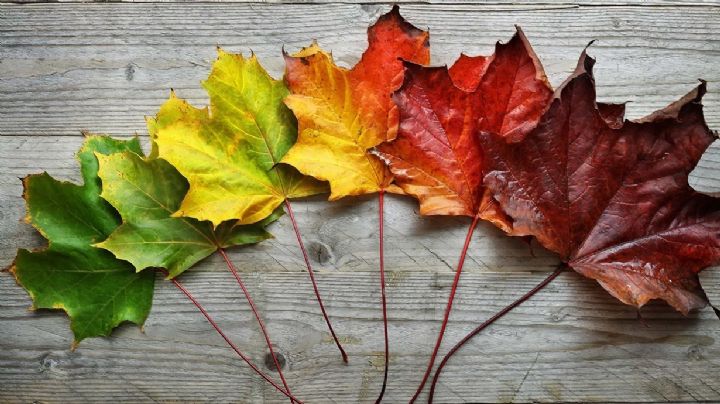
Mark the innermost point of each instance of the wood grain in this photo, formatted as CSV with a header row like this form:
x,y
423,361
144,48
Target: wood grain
x,y
102,67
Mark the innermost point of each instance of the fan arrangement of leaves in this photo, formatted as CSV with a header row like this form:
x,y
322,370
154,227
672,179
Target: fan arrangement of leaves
x,y
487,138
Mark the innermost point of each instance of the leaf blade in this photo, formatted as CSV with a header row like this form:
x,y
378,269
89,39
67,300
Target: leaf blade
x,y
437,156
230,152
614,201
97,291
342,113
147,192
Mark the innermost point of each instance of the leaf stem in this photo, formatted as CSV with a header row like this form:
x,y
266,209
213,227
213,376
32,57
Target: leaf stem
x,y
312,279
381,197
229,342
491,320
448,308
260,322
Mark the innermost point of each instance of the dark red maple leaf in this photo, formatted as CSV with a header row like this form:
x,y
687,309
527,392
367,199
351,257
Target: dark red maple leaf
x,y
612,197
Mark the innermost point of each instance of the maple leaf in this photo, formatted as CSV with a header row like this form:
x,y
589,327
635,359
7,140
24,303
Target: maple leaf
x,y
344,112
229,153
146,192
96,290
437,156
613,200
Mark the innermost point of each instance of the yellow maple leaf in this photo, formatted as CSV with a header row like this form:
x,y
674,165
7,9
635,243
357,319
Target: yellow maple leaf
x,y
342,113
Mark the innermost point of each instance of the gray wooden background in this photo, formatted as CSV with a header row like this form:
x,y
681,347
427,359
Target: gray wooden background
x,y
102,67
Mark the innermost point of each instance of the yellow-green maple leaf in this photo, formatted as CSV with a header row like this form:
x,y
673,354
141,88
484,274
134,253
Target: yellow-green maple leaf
x,y
230,152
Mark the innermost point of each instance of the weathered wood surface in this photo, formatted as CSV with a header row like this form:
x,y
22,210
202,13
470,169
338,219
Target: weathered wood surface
x,y
102,67
485,4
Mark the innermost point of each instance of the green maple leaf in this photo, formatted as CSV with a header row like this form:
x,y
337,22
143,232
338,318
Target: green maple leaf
x,y
230,152
146,192
97,291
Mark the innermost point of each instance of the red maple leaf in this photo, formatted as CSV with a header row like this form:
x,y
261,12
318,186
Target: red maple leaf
x,y
437,156
611,197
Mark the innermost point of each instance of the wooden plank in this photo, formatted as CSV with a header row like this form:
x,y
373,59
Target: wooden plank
x,y
572,342
486,4
102,67
710,279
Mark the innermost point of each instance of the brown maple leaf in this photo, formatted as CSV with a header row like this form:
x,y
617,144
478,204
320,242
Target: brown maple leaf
x,y
612,197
